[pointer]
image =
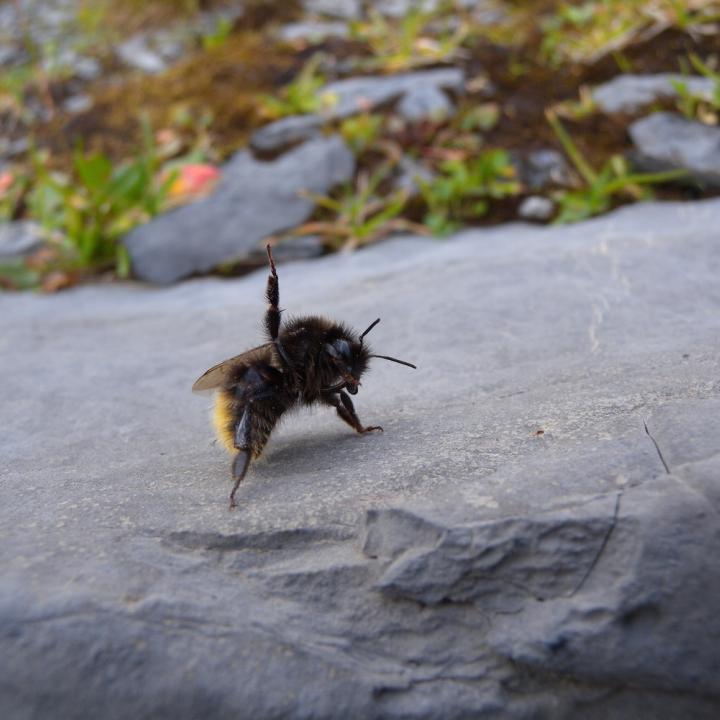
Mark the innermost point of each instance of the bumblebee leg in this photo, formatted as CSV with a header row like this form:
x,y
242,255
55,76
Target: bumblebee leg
x,y
241,461
239,469
346,410
272,293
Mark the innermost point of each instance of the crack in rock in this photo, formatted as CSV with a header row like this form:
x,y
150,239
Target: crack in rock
x,y
657,447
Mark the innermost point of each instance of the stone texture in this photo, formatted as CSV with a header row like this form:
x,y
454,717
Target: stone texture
x,y
628,93
667,141
252,200
535,534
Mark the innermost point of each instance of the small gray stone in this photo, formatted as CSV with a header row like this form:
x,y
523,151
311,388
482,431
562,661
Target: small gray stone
x,y
286,131
668,141
10,149
312,31
628,93
536,207
425,102
400,8
544,167
410,174
77,103
346,9
252,200
135,53
11,55
18,238
86,68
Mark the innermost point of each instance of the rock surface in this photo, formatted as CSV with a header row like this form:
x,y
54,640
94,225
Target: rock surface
x,y
667,141
252,200
535,535
628,93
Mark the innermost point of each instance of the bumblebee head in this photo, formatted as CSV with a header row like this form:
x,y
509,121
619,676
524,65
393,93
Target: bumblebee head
x,y
350,358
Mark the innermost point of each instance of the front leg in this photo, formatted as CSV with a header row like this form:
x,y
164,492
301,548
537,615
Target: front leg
x,y
346,410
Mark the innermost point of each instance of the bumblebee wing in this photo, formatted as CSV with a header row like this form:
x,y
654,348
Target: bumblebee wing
x,y
218,374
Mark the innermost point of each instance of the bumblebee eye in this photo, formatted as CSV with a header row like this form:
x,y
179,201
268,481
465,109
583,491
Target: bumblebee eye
x,y
339,351
343,349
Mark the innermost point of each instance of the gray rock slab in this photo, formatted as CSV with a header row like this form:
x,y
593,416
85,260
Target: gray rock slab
x,y
667,141
286,131
362,94
252,200
18,238
535,534
628,93
365,92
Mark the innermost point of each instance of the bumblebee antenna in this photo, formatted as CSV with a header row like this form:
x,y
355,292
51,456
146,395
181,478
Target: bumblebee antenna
x,y
372,325
387,357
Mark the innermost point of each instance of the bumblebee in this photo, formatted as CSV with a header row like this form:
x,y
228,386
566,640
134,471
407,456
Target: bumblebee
x,y
305,361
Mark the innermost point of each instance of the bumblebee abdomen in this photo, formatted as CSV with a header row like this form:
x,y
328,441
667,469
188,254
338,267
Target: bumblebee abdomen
x,y
263,416
224,419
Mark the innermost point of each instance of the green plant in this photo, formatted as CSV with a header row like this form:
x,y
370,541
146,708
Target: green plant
x,y
86,211
418,38
360,215
693,105
218,36
589,31
599,189
463,188
361,131
302,95
14,184
16,275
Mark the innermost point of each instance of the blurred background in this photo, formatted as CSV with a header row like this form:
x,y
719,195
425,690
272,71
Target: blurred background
x,y
168,138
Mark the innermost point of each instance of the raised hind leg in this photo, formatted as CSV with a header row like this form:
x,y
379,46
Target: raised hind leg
x,y
272,314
